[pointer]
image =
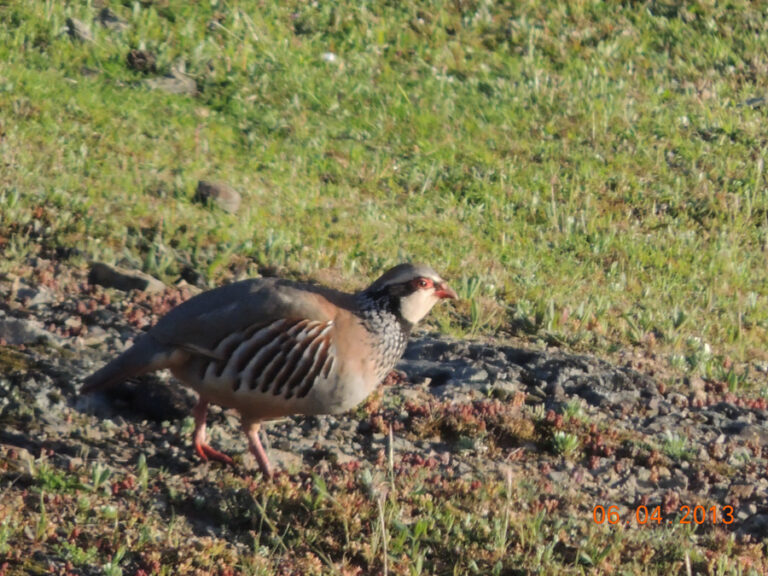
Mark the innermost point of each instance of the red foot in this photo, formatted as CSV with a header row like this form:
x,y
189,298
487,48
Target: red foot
x,y
207,453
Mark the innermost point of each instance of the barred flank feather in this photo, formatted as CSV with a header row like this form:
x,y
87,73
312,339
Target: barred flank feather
x,y
282,358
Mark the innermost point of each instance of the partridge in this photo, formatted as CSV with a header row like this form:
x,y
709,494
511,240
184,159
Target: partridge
x,y
270,347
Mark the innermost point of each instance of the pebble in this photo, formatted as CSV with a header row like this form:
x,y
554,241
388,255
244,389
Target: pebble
x,y
110,20
18,331
219,194
123,279
174,83
36,297
79,30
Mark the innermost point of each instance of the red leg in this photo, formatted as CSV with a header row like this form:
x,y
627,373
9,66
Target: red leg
x,y
254,444
201,446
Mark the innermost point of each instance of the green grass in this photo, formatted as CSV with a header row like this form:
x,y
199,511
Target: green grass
x,y
676,446
588,174
565,443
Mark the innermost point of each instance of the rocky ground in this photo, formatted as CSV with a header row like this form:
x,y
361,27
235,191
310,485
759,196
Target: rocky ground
x,y
592,433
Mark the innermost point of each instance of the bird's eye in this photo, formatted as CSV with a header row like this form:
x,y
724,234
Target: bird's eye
x,y
423,283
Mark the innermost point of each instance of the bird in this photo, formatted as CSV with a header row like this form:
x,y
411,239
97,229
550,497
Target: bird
x,y
271,347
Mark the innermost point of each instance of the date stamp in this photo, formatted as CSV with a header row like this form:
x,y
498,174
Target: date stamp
x,y
653,515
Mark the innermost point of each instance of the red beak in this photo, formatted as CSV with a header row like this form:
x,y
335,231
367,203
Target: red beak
x,y
445,291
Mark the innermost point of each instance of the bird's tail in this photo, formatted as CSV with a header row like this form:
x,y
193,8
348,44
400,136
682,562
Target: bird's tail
x,y
144,356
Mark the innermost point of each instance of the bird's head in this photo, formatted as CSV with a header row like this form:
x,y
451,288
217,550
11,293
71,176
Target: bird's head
x,y
411,290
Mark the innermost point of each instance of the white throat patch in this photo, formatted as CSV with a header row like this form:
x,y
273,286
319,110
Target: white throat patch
x,y
417,305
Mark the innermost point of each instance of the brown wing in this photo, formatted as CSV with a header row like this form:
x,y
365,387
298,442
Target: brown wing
x,y
282,358
202,323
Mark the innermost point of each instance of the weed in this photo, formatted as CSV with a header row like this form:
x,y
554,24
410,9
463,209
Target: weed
x,y
112,568
5,534
573,410
676,446
142,472
99,476
41,529
565,443
79,556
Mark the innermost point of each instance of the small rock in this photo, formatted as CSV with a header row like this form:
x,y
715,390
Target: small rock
x,y
174,83
676,481
559,477
677,399
422,371
755,433
17,331
504,389
629,488
282,444
223,195
643,476
555,390
663,472
79,30
726,409
755,102
123,279
401,445
720,439
740,456
35,297
471,374
110,20
756,525
96,335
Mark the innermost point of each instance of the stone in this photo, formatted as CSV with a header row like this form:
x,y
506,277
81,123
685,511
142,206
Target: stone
x,y
17,331
110,20
218,193
755,433
122,278
755,526
174,83
79,30
34,297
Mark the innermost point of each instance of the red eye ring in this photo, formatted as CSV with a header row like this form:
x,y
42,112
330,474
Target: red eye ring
x,y
422,283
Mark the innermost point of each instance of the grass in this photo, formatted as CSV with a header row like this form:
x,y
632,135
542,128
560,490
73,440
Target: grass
x,y
676,446
587,174
405,525
565,443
